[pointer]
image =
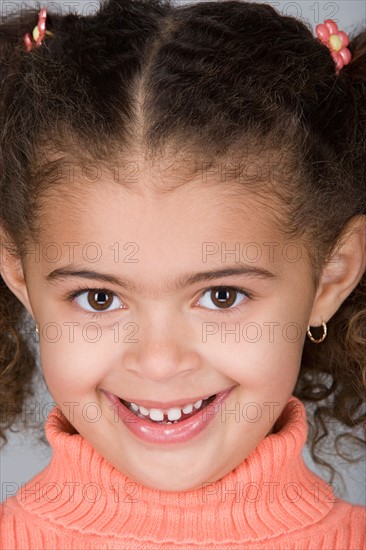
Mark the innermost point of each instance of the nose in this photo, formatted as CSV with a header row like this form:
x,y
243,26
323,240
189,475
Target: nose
x,y
161,352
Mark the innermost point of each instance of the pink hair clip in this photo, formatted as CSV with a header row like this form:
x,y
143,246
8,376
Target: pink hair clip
x,y
38,33
337,42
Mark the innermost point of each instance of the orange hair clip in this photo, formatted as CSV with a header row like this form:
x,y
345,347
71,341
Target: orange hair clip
x,y
38,33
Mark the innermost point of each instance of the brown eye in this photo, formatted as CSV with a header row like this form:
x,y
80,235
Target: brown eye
x,y
223,297
94,300
99,299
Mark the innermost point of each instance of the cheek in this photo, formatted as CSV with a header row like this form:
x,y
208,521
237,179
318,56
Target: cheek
x,y
73,368
253,352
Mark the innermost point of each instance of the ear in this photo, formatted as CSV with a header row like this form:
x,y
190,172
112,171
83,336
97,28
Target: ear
x,y
12,272
342,273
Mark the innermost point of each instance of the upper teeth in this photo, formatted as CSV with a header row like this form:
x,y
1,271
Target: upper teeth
x,y
173,414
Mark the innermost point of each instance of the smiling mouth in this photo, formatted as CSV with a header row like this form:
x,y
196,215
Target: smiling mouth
x,y
168,416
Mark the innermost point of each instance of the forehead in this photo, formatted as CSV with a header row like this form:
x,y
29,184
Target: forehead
x,y
232,189
197,208
153,238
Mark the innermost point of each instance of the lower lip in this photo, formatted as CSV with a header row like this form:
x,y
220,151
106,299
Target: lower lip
x,y
168,433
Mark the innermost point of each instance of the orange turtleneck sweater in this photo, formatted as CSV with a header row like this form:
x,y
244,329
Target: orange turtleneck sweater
x,y
269,501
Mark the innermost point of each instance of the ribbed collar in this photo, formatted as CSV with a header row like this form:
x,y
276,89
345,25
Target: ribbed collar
x,y
270,493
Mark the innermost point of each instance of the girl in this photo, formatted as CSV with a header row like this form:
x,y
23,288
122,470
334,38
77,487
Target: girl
x,y
184,220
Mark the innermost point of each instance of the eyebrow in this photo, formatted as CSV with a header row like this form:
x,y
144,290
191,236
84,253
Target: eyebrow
x,y
184,281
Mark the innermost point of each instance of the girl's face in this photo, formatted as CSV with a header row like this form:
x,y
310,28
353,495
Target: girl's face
x,y
162,333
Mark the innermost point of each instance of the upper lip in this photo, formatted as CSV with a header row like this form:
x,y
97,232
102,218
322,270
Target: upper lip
x,y
169,404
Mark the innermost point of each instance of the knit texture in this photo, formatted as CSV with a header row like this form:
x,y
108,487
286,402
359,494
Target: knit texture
x,y
269,501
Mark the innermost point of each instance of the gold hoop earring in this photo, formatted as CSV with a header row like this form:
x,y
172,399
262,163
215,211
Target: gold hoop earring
x,y
37,330
317,341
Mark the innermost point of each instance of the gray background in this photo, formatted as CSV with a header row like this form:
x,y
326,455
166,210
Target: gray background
x,y
23,457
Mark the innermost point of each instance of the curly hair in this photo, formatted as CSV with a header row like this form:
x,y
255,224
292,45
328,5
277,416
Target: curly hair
x,y
229,78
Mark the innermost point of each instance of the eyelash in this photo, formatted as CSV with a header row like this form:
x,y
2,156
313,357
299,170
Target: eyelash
x,y
81,290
